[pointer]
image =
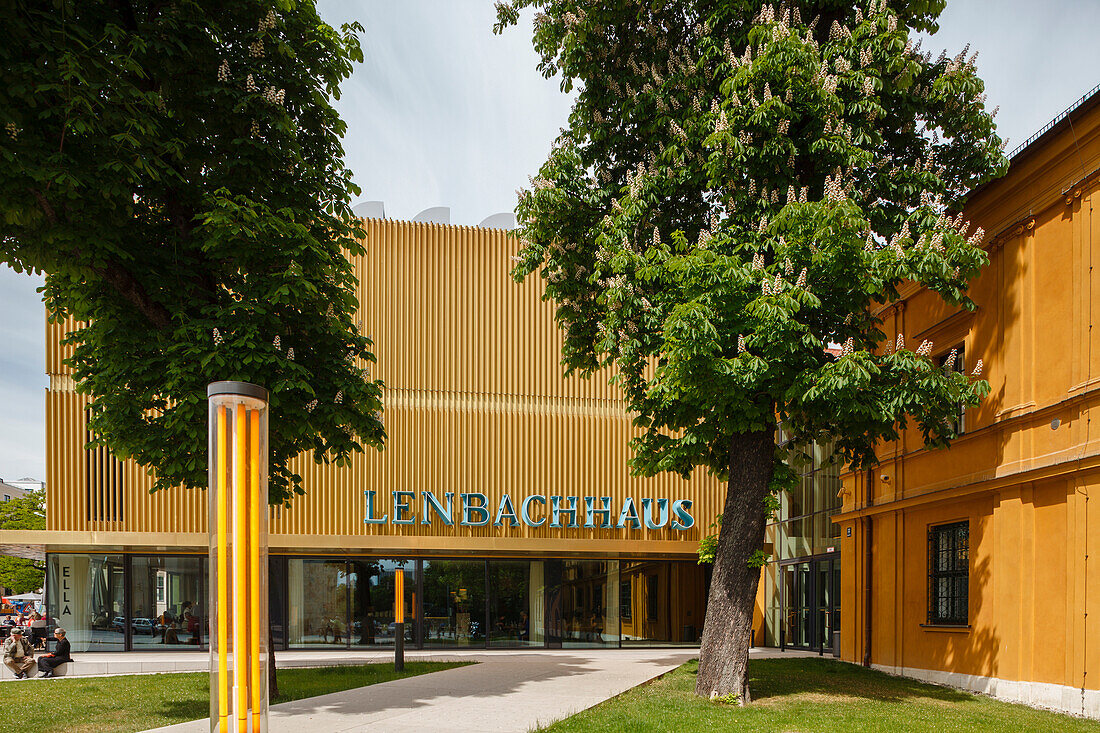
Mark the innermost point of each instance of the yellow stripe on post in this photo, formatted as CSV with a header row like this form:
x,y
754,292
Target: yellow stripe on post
x,y
240,570
223,573
254,505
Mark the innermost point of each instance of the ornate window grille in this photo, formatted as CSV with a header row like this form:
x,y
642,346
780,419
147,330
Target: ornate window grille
x,y
949,573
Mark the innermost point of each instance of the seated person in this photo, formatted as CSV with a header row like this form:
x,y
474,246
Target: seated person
x,y
38,630
47,663
18,654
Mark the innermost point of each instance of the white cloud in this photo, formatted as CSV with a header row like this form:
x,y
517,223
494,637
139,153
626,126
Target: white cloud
x,y
22,377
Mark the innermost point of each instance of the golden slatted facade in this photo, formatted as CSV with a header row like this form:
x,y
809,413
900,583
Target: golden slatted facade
x,y
474,402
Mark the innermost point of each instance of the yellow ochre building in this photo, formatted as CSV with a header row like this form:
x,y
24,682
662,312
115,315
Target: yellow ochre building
x,y
505,495
979,566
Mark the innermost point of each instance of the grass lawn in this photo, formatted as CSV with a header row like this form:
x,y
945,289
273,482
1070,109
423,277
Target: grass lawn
x,y
820,695
126,703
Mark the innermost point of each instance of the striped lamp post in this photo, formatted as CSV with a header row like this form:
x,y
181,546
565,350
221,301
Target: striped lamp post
x,y
238,615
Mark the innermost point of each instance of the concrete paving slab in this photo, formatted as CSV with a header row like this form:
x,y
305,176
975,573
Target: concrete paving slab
x,y
502,693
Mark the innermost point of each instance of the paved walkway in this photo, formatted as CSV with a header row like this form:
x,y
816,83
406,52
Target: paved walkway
x,y
513,691
503,692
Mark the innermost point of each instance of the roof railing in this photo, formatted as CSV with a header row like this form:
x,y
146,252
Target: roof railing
x,y
1061,116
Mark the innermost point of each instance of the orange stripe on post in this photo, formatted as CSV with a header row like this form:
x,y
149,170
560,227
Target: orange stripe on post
x,y
399,596
223,572
254,564
240,572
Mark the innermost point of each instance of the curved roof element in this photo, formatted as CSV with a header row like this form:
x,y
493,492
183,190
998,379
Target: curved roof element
x,y
435,215
505,220
370,210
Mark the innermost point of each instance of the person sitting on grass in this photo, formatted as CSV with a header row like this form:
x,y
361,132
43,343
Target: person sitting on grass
x,y
18,654
47,663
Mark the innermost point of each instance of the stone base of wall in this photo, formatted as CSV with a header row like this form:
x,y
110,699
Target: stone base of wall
x,y
1036,694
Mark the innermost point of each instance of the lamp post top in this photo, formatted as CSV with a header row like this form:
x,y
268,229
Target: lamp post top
x,y
245,389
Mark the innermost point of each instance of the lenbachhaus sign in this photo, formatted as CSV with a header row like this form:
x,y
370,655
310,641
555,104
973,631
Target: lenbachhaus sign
x,y
473,510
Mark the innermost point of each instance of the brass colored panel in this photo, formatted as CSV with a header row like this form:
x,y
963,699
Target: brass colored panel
x,y
475,402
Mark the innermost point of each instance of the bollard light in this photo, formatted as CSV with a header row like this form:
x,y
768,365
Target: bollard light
x,y
238,557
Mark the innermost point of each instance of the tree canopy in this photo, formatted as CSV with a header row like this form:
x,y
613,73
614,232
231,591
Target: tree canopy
x,y
24,512
740,186
736,190
176,171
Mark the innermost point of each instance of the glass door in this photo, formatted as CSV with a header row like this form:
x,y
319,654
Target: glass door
x,y
824,606
797,606
811,615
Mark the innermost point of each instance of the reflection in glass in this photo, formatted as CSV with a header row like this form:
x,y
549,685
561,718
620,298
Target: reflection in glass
x,y
828,488
835,615
85,595
590,603
167,602
372,601
277,600
516,603
772,607
454,603
317,595
795,538
663,603
825,604
826,533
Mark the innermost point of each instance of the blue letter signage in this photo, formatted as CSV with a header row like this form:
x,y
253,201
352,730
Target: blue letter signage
x,y
559,512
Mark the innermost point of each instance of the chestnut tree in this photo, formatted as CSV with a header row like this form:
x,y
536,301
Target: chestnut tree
x,y
175,168
739,186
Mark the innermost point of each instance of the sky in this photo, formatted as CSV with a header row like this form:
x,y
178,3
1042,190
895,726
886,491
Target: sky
x,y
444,113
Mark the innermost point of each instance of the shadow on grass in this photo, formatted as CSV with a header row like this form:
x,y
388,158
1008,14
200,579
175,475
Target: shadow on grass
x,y
186,708
774,679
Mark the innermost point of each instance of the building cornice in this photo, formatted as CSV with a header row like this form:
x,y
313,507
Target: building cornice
x,y
35,543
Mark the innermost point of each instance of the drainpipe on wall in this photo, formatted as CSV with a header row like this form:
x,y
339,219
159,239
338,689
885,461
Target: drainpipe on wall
x,y
868,558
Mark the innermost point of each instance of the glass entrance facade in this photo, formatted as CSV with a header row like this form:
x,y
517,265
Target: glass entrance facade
x,y
517,602
132,602
801,579
453,612
86,595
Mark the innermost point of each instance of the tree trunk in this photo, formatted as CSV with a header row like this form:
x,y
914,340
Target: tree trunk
x,y
724,652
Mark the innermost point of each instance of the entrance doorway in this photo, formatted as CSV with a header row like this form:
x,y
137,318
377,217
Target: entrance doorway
x,y
810,596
